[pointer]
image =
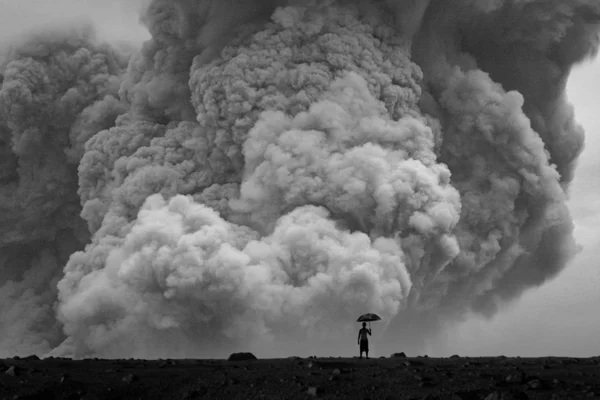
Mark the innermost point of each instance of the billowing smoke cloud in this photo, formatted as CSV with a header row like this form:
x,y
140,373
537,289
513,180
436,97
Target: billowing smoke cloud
x,y
264,171
58,89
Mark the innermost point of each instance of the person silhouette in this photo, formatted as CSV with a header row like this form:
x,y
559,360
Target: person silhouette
x,y
363,339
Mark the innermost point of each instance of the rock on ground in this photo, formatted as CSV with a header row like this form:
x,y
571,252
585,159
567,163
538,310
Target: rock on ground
x,y
242,357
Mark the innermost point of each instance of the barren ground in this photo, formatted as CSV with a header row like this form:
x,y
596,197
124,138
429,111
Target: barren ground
x,y
295,378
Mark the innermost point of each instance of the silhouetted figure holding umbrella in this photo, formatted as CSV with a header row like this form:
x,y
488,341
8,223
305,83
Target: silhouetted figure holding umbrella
x,y
363,340
364,333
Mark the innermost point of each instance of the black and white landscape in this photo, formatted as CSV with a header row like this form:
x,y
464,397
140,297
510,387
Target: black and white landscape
x,y
253,175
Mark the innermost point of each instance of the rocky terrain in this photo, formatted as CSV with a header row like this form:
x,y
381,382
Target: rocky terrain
x,y
243,377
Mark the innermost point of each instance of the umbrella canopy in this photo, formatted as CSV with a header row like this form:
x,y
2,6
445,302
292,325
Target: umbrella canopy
x,y
368,318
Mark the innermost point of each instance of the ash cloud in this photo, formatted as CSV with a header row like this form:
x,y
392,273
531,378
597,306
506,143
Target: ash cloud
x,y
58,87
260,172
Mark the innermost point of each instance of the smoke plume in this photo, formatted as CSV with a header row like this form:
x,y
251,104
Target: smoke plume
x,y
259,173
58,89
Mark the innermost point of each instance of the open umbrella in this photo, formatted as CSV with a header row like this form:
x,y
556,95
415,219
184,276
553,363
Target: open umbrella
x,y
368,318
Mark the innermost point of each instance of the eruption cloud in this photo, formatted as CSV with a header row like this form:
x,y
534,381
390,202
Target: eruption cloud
x,y
259,173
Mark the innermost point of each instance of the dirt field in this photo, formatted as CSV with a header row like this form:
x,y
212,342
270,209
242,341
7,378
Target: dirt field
x,y
295,378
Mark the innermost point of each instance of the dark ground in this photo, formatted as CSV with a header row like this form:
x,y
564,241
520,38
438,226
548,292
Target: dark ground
x,y
453,378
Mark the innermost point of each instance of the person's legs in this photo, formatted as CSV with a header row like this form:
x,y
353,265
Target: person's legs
x,y
364,347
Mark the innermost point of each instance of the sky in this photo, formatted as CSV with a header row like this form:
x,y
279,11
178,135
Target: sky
x,y
114,19
559,318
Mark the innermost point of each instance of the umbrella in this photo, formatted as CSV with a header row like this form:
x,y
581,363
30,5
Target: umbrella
x,y
368,318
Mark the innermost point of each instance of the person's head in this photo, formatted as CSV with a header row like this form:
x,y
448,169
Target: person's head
x,y
364,324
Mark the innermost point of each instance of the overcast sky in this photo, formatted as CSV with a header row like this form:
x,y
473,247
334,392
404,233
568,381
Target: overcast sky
x,y
560,318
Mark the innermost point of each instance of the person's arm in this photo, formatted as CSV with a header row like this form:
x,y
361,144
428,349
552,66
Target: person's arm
x,y
358,339
368,330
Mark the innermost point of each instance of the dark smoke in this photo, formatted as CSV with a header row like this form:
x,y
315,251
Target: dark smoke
x,y
264,171
54,84
521,54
